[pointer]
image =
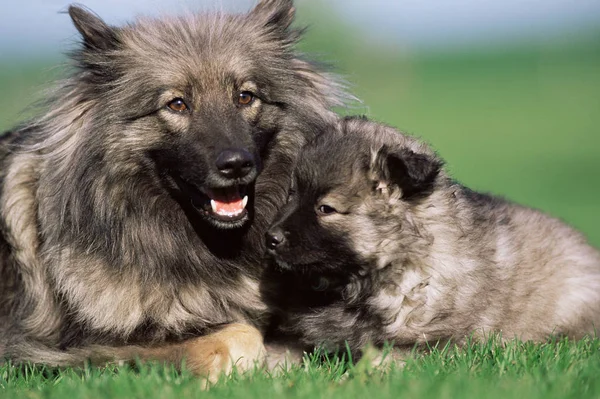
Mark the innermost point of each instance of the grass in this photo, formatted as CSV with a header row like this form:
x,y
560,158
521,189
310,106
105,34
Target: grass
x,y
561,369
521,122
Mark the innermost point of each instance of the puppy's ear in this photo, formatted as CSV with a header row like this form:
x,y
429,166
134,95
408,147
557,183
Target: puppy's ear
x,y
96,34
414,173
275,15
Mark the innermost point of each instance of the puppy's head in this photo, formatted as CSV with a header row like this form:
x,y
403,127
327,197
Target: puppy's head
x,y
355,192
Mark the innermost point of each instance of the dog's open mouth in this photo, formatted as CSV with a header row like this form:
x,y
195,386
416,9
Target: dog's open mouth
x,y
226,205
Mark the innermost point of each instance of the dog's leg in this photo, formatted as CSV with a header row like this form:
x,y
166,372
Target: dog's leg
x,y
235,345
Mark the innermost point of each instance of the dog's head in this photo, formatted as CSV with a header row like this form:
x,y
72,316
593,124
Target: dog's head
x,y
196,100
353,195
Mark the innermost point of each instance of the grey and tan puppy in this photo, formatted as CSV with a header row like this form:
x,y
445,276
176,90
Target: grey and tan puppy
x,y
133,212
377,243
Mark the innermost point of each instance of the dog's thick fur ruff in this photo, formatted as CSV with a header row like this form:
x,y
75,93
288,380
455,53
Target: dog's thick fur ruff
x,y
103,252
378,244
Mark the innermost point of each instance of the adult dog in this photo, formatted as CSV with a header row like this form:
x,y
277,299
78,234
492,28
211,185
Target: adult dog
x,y
378,243
133,212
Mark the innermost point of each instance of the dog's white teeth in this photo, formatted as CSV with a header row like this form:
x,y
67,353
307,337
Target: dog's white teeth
x,y
245,201
227,209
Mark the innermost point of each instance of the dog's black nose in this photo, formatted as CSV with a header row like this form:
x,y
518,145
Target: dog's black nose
x,y
275,237
235,163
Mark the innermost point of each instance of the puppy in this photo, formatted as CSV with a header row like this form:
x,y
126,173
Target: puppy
x,y
378,244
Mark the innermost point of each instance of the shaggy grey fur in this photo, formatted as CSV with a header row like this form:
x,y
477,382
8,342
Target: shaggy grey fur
x,y
105,238
377,243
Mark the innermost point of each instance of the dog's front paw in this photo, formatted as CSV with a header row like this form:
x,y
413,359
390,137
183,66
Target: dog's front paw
x,y
238,346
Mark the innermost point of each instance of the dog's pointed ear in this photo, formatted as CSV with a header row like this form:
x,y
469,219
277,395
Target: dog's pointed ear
x,y
414,173
96,34
275,14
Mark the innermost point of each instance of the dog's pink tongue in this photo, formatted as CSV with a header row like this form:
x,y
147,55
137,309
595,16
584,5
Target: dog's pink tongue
x,y
234,206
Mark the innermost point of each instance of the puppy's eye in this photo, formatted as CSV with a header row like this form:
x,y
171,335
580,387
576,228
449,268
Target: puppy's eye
x,y
326,210
177,105
246,98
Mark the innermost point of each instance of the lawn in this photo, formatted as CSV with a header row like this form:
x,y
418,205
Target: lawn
x,y
554,370
522,122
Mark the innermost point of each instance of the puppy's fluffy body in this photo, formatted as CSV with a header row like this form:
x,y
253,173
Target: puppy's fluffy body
x,y
377,243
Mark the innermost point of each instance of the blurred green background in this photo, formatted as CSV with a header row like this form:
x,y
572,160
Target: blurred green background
x,y
519,119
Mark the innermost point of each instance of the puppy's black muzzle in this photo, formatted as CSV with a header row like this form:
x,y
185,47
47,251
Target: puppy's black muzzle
x,y
275,239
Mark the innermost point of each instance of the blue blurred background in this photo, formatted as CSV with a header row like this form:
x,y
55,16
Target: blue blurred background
x,y
507,91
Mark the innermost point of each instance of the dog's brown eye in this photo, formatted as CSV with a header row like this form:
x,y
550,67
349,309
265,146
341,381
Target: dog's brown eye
x,y
245,98
326,210
178,105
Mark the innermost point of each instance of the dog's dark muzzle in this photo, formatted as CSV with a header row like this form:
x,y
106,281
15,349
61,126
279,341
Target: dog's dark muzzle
x,y
236,164
225,193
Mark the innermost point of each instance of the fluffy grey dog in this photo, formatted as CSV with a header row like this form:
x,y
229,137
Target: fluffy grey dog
x,y
133,213
377,243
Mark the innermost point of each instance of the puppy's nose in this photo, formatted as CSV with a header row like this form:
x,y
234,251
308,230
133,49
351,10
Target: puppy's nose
x,y
235,163
275,237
